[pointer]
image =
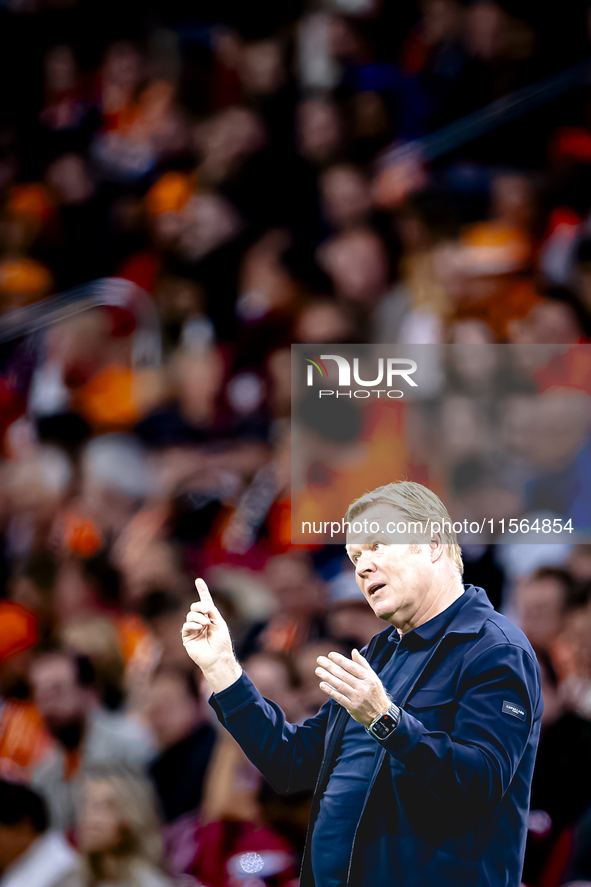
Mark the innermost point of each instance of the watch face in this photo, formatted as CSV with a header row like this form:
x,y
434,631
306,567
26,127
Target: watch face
x,y
384,726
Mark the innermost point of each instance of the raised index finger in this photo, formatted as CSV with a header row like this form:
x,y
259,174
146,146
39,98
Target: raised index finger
x,y
204,593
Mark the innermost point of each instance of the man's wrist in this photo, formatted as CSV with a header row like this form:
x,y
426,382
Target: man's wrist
x,y
381,710
223,674
385,724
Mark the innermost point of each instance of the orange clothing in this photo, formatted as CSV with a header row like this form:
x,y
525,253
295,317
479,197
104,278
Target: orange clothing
x,y
108,402
514,302
18,630
171,192
132,635
381,458
23,739
81,534
22,282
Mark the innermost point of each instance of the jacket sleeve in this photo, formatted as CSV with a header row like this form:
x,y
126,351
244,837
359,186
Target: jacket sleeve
x,y
475,764
289,756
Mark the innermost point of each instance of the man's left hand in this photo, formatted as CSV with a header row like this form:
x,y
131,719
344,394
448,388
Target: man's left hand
x,y
353,684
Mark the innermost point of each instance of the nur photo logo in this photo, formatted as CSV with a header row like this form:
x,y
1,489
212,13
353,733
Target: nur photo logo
x,y
389,370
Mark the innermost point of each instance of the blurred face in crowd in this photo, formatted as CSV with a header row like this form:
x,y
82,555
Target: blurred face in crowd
x,y
99,828
318,130
540,606
484,30
271,678
209,222
178,299
345,196
323,321
356,263
512,199
370,116
57,693
548,323
60,69
74,598
37,484
312,697
200,382
579,562
69,179
462,429
562,424
471,332
226,140
545,430
261,69
165,629
441,20
353,621
517,425
347,41
578,633
476,366
122,66
173,712
293,583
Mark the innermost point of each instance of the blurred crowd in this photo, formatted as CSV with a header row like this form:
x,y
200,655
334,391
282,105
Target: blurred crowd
x,y
225,169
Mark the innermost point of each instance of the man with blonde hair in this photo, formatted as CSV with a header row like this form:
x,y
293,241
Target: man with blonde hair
x,y
417,505
422,757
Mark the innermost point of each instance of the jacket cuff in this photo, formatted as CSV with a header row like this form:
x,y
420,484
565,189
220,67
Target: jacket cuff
x,y
234,698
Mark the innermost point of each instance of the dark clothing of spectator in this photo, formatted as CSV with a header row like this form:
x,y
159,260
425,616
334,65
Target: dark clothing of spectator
x,y
561,788
179,771
579,867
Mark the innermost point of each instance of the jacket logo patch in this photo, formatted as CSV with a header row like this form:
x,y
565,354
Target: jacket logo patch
x,y
510,708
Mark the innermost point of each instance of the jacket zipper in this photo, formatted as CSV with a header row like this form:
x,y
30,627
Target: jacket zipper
x,y
369,654
382,754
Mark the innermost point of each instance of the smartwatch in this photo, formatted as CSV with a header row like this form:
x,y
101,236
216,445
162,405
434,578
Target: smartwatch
x,y
384,725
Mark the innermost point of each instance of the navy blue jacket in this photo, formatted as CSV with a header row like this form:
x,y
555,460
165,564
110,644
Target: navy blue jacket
x,y
447,802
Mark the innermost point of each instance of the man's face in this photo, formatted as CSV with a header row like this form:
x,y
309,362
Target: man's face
x,y
172,712
56,692
394,577
540,604
293,584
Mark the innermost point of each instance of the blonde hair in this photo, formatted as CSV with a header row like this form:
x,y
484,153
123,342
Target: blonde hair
x,y
136,807
416,503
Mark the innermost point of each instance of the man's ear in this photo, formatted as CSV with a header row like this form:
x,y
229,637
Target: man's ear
x,y
436,547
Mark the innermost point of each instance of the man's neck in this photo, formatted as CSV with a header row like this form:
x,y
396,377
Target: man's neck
x,y
436,603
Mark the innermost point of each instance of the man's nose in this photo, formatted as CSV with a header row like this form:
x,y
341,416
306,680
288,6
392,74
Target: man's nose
x,y
365,564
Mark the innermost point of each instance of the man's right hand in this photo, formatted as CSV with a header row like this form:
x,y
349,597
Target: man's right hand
x,y
207,641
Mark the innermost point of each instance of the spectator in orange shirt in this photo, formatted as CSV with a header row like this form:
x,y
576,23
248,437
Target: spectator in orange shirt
x,y
21,728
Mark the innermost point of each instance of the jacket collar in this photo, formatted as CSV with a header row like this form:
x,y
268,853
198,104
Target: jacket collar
x,y
465,616
474,612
